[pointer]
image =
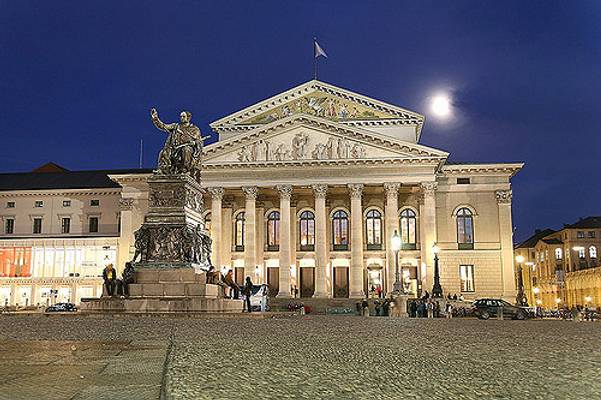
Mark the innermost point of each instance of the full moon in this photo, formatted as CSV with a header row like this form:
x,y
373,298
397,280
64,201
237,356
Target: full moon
x,y
441,106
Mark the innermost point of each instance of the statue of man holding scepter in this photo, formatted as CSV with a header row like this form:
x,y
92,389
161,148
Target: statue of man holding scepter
x,y
182,151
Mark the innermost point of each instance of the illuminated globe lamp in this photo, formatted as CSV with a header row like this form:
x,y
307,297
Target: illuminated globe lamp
x,y
520,298
395,245
436,288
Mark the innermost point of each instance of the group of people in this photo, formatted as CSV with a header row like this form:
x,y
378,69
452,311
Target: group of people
x,y
228,281
115,286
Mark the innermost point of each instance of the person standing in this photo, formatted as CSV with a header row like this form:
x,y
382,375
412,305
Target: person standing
x,y
430,308
449,310
247,291
109,275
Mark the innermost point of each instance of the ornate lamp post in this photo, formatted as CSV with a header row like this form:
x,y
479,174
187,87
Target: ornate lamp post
x,y
436,289
395,243
520,297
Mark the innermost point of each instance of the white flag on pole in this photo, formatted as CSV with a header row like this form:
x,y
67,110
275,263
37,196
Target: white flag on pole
x,y
318,50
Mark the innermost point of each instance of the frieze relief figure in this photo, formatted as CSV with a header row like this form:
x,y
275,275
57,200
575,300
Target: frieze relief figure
x,y
299,146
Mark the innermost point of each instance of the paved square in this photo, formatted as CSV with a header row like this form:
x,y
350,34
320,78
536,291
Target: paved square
x,y
311,357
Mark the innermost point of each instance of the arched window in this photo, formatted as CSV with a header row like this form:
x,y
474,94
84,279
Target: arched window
x,y
340,230
558,253
592,252
208,222
239,232
273,231
465,229
373,229
408,231
307,231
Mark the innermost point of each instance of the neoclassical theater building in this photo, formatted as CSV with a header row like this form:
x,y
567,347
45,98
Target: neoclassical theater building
x,y
304,191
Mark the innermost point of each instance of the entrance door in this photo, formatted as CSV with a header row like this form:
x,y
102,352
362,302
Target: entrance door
x,y
273,280
307,278
239,276
341,284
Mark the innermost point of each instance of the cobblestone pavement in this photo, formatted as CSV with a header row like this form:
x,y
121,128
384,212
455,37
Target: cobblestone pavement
x,y
311,357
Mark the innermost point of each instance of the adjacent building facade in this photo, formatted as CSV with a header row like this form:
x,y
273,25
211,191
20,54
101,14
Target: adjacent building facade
x,y
561,268
304,191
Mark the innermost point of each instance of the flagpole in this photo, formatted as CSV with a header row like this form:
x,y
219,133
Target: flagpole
x,y
314,60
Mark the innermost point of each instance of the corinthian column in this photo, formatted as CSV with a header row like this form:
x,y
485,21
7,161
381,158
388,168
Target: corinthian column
x,y
216,198
249,230
506,236
321,262
428,234
356,272
391,218
284,239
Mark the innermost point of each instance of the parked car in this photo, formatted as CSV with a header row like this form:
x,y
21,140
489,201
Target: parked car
x,y
486,308
62,307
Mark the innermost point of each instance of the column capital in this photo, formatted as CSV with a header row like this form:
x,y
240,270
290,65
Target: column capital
x,y
356,190
285,191
251,192
216,192
126,204
428,188
503,196
392,189
320,190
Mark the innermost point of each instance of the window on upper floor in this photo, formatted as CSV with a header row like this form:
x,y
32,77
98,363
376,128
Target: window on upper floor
x,y
10,204
273,231
580,234
94,203
239,231
66,203
37,225
408,229
592,252
340,230
465,228
9,226
307,231
373,229
38,203
65,225
591,234
93,225
463,181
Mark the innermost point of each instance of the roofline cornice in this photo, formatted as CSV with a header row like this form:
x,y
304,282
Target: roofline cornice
x,y
497,168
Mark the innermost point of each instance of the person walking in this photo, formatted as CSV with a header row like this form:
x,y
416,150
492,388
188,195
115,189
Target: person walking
x,y
430,308
247,291
449,310
109,275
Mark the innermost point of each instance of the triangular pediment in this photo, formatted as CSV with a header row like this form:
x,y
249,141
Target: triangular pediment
x,y
322,100
304,138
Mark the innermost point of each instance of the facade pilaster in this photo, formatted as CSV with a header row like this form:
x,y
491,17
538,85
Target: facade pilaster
x,y
356,271
428,236
250,220
506,239
216,200
284,240
321,260
126,236
391,217
226,233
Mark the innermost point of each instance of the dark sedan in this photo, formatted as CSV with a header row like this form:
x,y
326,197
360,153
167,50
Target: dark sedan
x,y
486,308
62,307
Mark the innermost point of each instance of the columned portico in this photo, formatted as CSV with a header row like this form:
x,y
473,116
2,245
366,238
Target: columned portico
x,y
285,192
216,200
249,230
391,218
321,260
356,272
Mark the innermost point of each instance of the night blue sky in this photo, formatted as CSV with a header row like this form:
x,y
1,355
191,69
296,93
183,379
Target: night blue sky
x,y
77,79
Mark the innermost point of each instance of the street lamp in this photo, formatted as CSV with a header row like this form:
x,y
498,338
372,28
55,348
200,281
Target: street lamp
x,y
520,297
436,289
395,243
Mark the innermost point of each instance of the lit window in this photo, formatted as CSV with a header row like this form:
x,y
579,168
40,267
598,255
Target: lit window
x,y
558,253
408,231
581,253
93,224
373,229
273,231
10,204
66,203
37,225
94,203
307,231
65,225
239,231
591,234
9,226
340,230
465,228
592,252
466,272
580,234
38,204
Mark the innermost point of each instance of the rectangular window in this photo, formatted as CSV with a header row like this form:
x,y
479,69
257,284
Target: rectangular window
x,y
463,181
37,225
93,224
580,234
591,234
66,203
9,226
466,272
94,203
66,225
10,204
38,204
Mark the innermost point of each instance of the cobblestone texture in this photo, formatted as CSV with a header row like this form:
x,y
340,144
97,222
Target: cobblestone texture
x,y
310,357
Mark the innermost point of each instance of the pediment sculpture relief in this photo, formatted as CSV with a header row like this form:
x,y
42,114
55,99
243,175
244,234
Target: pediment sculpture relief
x,y
301,149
